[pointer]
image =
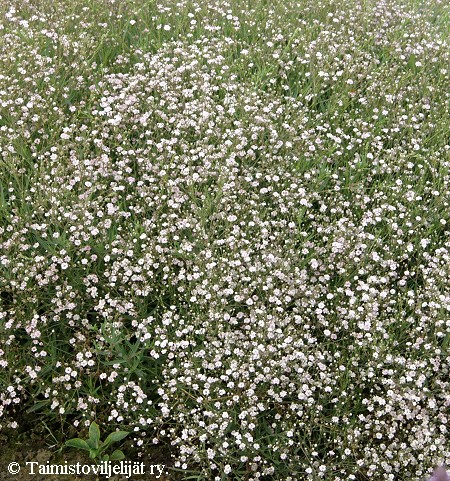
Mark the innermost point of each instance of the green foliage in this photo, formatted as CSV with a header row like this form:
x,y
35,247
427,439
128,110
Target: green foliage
x,y
225,224
96,447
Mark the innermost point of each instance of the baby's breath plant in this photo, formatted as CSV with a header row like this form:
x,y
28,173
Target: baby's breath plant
x,y
224,226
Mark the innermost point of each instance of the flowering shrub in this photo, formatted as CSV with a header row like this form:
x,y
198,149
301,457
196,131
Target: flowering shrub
x,y
225,227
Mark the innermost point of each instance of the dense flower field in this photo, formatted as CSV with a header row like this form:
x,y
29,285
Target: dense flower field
x,y
225,226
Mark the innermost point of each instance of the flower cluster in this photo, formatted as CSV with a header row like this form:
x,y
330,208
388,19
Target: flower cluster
x,y
226,226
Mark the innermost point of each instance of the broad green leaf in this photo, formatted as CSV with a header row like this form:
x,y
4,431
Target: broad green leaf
x,y
116,436
93,453
117,455
94,434
90,443
77,443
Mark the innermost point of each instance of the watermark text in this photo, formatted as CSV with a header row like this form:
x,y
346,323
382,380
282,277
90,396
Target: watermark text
x,y
105,468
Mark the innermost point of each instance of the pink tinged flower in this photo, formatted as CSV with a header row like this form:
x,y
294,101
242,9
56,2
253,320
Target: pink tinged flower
x,y
440,474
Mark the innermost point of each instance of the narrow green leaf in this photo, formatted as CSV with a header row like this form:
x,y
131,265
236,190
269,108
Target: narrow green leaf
x,y
38,406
